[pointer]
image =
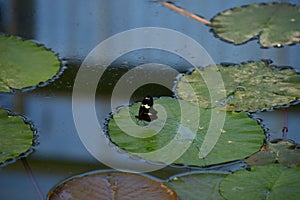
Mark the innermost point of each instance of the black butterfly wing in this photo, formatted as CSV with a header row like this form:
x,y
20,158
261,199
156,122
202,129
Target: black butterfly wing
x,y
148,100
146,112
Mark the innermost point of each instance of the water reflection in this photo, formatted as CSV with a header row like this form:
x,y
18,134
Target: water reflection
x,y
277,119
73,28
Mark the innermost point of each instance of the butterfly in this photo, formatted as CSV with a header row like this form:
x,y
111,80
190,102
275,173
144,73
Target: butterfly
x,y
146,112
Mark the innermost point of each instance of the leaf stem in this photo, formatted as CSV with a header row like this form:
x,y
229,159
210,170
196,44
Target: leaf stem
x,y
32,179
285,125
185,13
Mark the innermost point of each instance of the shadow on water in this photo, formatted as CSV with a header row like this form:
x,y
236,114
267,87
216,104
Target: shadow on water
x,y
72,28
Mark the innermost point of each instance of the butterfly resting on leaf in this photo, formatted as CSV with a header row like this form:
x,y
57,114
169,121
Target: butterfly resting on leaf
x,y
146,112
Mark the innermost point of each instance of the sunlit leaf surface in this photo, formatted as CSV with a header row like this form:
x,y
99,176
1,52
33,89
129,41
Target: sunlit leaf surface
x,y
240,137
249,87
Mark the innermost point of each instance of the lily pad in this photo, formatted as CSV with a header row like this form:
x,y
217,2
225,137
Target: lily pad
x,y
16,137
111,185
264,182
249,87
283,152
24,63
196,185
276,24
240,137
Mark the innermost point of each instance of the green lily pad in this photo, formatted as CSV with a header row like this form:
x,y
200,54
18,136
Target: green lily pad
x,y
264,182
249,87
240,137
24,63
16,137
111,185
283,152
276,24
193,186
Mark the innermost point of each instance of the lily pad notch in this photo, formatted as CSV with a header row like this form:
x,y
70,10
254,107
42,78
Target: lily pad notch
x,y
239,130
275,24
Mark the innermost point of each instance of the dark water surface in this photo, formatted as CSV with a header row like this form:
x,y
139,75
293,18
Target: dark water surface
x,y
72,28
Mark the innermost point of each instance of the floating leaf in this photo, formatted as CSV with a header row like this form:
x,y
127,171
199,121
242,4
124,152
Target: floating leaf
x,y
240,137
24,63
283,152
264,182
197,186
249,87
15,137
275,24
111,185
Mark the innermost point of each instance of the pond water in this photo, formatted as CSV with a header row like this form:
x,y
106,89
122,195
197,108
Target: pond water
x,y
72,28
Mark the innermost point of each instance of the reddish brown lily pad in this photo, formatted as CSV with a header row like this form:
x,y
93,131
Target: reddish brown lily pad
x,y
111,185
